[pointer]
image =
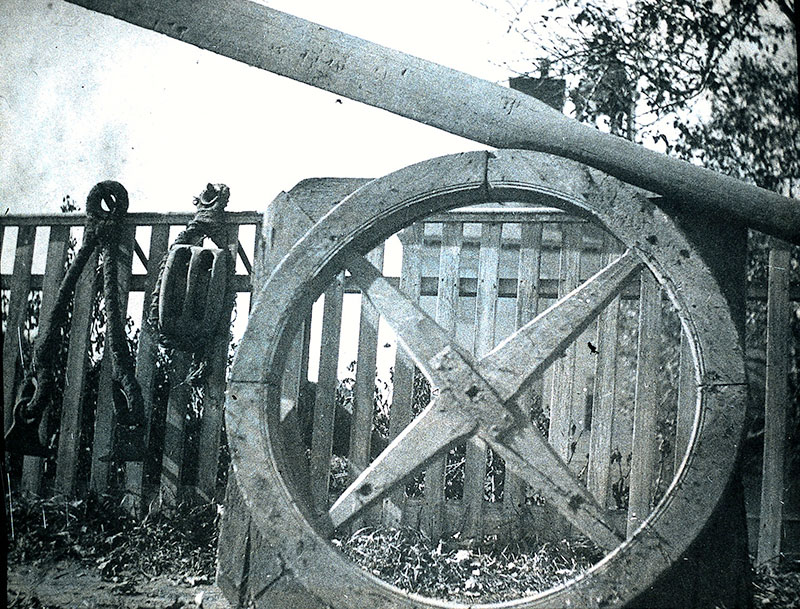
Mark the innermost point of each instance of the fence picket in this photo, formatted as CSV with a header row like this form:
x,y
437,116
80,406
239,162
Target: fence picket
x,y
104,414
602,432
361,423
58,244
72,405
214,389
485,314
146,355
775,407
644,444
433,512
564,368
325,403
400,412
15,322
527,307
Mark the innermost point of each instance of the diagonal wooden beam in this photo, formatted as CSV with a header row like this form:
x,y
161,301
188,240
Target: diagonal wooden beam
x,y
450,100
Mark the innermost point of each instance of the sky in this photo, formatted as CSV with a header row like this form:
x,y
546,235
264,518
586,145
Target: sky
x,y
85,97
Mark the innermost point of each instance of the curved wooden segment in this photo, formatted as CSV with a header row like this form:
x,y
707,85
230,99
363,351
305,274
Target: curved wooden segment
x,y
534,460
511,365
435,429
636,564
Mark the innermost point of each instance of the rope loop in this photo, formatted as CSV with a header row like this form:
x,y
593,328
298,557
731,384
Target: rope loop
x,y
106,208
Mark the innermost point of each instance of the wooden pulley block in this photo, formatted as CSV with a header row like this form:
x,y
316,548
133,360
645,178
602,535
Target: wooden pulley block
x,y
192,296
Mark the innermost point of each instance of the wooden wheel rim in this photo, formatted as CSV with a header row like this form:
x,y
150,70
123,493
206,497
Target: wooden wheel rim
x,y
382,207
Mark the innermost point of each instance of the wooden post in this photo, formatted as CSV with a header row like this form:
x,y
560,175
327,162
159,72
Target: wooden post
x,y
459,103
75,379
146,356
33,467
644,445
776,401
104,418
242,551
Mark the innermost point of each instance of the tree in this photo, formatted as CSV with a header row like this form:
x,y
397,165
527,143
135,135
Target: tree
x,y
632,65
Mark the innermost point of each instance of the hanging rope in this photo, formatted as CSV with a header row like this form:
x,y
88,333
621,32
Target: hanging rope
x,y
106,206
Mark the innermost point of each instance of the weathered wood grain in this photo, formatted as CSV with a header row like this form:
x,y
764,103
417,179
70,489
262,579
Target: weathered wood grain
x,y
435,95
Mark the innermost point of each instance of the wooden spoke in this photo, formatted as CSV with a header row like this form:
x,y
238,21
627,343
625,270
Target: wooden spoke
x,y
480,396
422,337
435,429
515,362
529,455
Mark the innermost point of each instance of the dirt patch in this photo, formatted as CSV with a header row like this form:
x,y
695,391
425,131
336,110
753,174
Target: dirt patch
x,y
92,554
69,584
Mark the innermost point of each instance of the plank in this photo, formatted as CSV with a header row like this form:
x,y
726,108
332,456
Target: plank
x,y
773,483
527,307
104,414
361,423
146,355
400,411
487,411
605,387
560,434
531,457
583,371
57,247
435,428
325,403
485,315
644,445
214,389
17,305
172,457
433,510
75,382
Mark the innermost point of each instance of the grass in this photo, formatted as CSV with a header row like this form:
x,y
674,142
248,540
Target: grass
x,y
180,542
448,570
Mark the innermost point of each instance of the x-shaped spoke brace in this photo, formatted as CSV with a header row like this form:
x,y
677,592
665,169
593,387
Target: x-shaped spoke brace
x,y
476,399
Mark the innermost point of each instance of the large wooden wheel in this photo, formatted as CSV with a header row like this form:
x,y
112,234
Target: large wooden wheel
x,y
476,397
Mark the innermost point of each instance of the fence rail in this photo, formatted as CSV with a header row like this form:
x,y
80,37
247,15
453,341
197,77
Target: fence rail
x,y
85,429
480,274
